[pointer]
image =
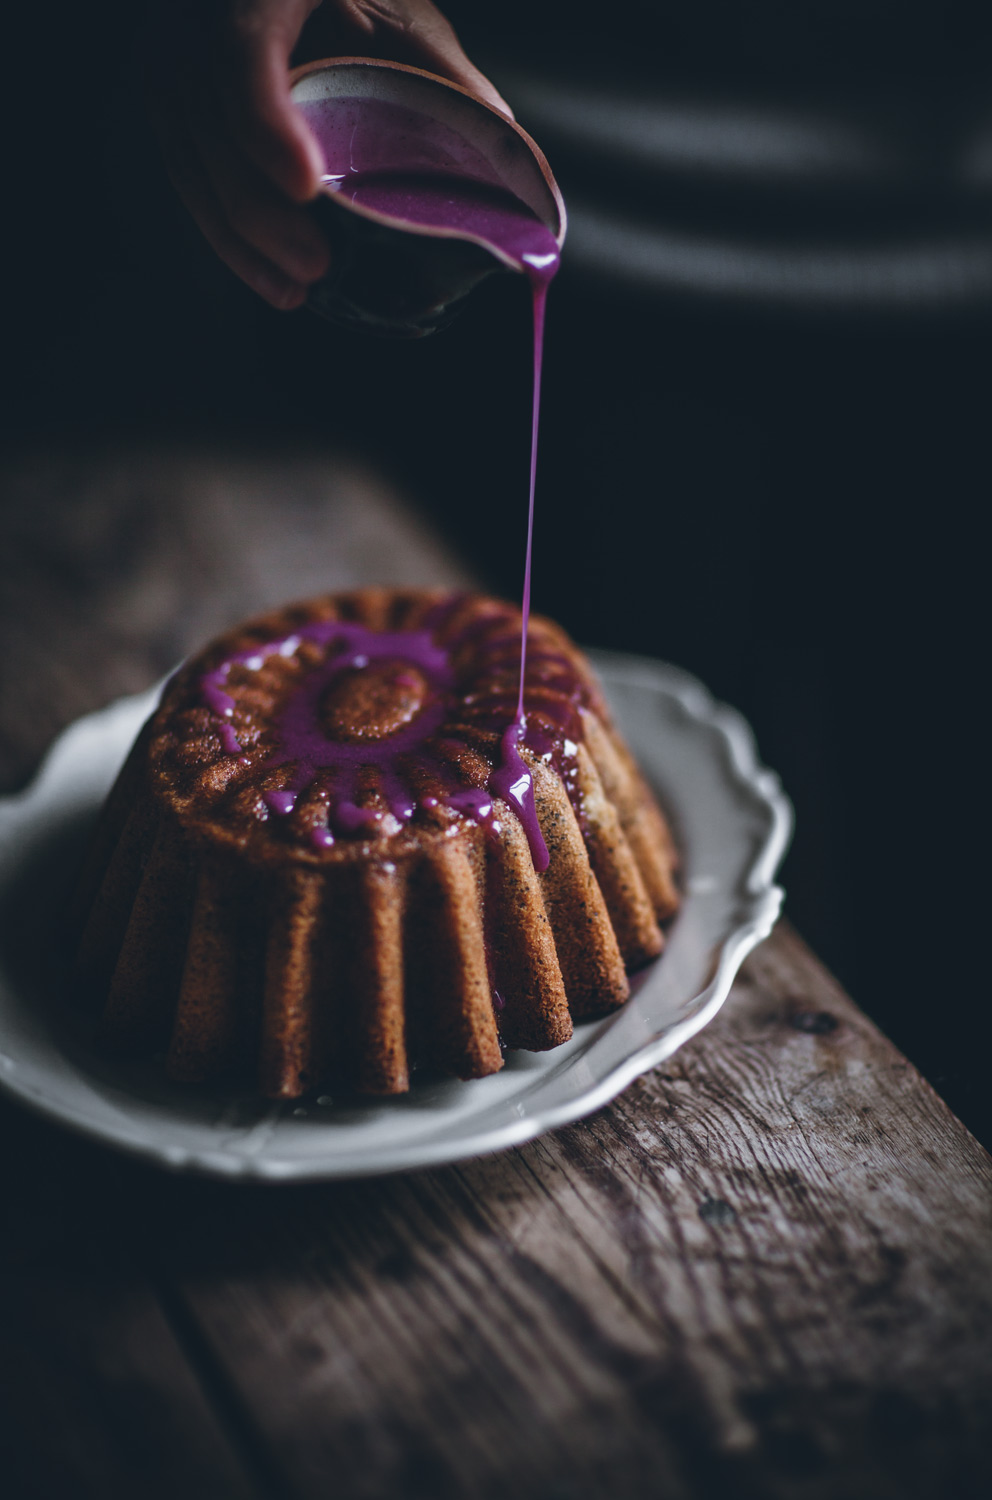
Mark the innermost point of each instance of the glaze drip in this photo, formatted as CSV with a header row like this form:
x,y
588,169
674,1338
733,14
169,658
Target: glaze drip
x,y
461,690
301,738
419,172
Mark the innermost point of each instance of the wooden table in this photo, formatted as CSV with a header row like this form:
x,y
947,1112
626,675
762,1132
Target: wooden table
x,y
764,1271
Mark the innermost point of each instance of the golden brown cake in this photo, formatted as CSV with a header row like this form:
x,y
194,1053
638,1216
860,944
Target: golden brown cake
x,y
334,853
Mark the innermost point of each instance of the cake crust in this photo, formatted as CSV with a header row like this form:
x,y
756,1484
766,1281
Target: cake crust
x,y
311,860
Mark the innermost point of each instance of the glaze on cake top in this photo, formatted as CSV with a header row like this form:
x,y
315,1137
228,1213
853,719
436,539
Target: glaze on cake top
x,y
308,735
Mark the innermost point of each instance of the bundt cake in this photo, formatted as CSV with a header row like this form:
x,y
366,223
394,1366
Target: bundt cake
x,y
329,856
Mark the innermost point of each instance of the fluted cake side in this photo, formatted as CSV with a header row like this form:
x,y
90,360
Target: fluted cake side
x,y
329,858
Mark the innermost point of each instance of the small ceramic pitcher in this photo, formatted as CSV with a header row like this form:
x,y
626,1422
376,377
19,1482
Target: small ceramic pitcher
x,y
391,274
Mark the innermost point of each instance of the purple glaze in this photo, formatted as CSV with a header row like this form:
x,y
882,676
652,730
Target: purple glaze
x,y
362,134
418,171
301,737
306,747
476,801
280,802
460,206
299,729
421,173
512,781
539,291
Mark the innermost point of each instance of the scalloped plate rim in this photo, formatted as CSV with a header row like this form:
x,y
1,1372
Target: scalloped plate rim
x,y
764,904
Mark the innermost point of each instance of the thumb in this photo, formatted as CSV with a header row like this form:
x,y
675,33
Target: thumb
x,y
259,113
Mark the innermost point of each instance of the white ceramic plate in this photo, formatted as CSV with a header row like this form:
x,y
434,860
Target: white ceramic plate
x,y
732,822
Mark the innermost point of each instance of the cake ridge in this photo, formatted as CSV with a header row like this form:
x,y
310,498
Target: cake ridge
x,y
218,927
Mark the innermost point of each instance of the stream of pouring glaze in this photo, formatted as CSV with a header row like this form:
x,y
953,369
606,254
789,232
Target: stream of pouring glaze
x,y
417,171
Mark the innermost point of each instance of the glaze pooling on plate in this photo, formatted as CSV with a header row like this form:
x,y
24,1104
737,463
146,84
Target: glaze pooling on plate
x,y
733,824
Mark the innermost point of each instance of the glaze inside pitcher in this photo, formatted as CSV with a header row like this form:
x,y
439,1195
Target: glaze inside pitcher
x,y
427,191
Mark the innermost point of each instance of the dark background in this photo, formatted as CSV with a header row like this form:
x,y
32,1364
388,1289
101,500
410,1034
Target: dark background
x,y
765,462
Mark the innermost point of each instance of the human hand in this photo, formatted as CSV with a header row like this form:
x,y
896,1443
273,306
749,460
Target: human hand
x,y
240,156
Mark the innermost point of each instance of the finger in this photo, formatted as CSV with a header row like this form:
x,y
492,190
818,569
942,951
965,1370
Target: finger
x,y
192,184
254,98
259,215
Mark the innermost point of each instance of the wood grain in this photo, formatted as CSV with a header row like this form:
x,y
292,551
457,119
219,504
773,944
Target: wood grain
x,y
763,1272
98,1399
116,562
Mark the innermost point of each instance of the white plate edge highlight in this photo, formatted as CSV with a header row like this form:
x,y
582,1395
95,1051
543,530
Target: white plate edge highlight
x,y
765,904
